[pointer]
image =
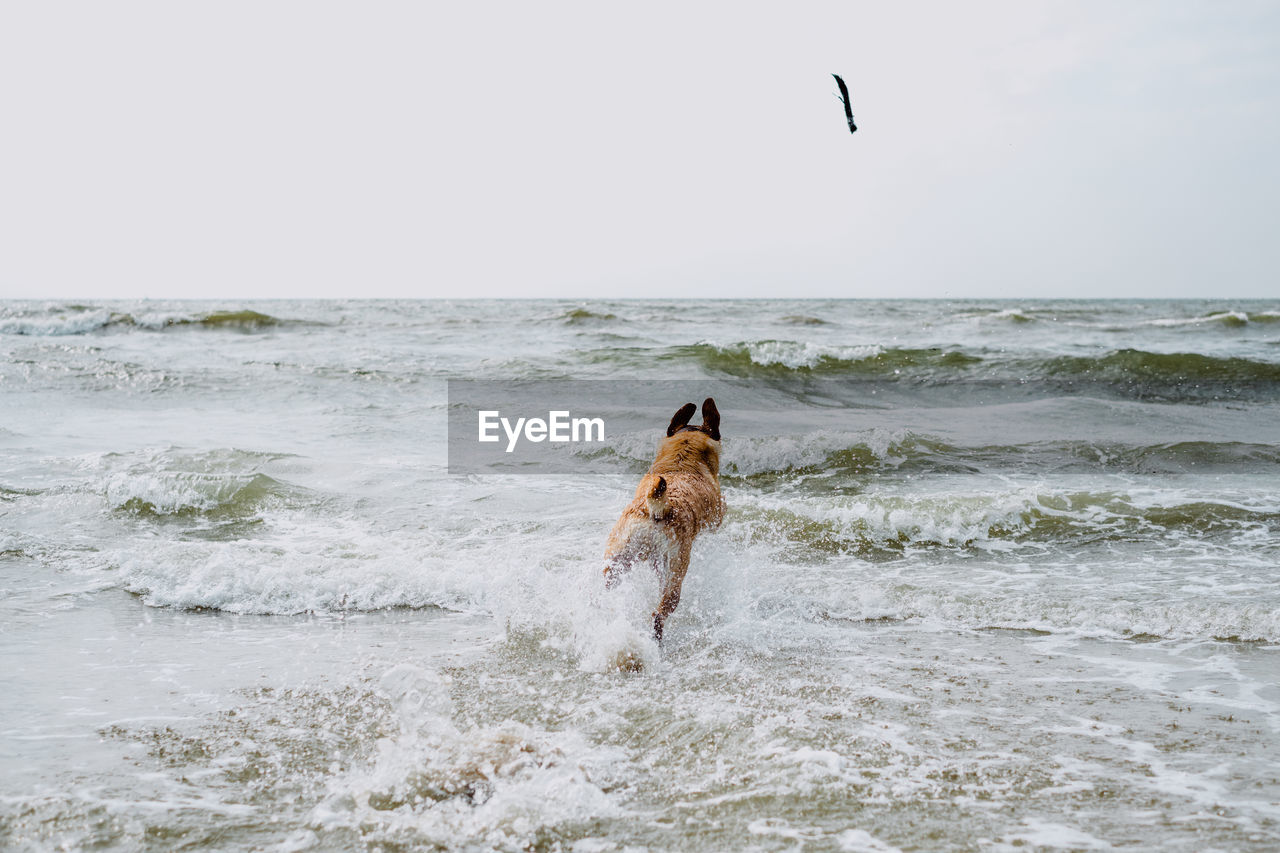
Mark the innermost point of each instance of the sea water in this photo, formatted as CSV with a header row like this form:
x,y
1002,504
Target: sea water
x,y
994,576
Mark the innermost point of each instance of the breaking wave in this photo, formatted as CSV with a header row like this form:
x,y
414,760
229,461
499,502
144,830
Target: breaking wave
x,y
585,317
1152,369
775,358
1017,316
184,494
876,526
85,319
1127,373
1226,319
834,455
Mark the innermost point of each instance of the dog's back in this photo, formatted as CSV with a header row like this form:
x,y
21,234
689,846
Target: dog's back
x,y
677,499
689,464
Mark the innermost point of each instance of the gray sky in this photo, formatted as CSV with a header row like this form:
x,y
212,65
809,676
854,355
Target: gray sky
x,y
413,149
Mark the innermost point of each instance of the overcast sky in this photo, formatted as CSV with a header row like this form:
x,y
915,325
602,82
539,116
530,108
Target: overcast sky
x,y
414,149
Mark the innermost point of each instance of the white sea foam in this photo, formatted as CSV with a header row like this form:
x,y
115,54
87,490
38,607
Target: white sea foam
x,y
54,324
1077,611
795,354
301,559
492,786
782,829
298,561
1051,835
57,320
1228,318
861,841
953,519
746,456
1016,315
297,565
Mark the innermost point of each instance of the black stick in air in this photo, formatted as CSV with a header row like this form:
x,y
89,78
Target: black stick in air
x,y
844,96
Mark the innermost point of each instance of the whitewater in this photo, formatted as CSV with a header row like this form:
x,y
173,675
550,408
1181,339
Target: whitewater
x,y
995,575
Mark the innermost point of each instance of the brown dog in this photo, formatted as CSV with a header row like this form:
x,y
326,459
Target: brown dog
x,y
677,499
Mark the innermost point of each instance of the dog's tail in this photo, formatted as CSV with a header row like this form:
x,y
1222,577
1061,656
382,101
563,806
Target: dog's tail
x,y
656,499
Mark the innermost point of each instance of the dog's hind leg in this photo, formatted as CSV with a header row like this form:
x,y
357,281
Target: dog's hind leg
x,y
619,553
615,566
671,592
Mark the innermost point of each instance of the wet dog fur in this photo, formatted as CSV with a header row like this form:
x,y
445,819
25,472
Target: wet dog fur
x,y
676,500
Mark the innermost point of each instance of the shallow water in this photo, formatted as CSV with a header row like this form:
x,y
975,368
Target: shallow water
x,y
1004,576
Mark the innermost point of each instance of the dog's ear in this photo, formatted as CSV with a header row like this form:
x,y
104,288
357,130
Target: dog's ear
x,y
659,489
681,419
711,418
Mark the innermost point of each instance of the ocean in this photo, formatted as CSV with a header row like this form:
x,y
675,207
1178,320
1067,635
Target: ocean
x,y
994,576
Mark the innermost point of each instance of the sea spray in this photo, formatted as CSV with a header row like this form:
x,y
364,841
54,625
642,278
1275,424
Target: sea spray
x,y
437,782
